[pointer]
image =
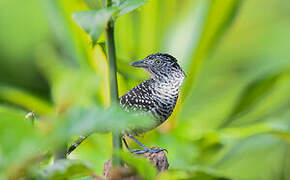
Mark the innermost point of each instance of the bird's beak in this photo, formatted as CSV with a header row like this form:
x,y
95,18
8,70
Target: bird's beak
x,y
139,64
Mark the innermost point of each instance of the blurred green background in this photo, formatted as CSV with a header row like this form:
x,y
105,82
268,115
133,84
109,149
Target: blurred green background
x,y
233,116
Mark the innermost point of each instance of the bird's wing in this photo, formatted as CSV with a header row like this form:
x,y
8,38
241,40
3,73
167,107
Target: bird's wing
x,y
138,98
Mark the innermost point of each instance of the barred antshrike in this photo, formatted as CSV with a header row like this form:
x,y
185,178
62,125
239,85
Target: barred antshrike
x,y
157,95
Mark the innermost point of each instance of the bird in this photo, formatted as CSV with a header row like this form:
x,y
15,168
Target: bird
x,y
156,96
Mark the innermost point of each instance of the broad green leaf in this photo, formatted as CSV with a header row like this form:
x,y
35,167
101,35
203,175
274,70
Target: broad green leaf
x,y
80,121
74,87
20,143
64,31
64,169
257,157
127,6
191,27
218,19
25,99
94,21
173,175
191,173
273,106
143,166
253,93
279,128
68,84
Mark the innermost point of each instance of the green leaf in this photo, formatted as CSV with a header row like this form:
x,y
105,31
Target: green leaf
x,y
25,100
64,169
95,4
257,157
143,166
61,26
191,26
252,94
80,121
94,21
130,5
20,143
276,128
274,105
218,19
194,173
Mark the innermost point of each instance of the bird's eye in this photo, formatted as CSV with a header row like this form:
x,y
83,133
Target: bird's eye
x,y
157,62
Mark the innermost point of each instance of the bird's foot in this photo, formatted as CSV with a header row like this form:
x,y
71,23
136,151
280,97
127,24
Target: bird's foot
x,y
145,150
157,150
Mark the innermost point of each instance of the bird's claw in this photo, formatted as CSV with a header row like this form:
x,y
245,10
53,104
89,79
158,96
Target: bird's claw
x,y
145,149
138,151
156,150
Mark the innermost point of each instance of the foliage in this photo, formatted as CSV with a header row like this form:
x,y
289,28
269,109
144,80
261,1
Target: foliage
x,y
64,169
232,118
142,166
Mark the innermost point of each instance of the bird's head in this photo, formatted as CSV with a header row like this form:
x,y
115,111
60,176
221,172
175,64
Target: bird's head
x,y
161,66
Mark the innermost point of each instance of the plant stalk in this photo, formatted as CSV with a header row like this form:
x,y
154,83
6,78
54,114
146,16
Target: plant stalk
x,y
111,55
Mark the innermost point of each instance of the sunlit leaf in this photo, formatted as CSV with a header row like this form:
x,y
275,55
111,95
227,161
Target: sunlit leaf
x,y
173,175
61,26
191,27
255,91
277,128
19,142
127,6
218,19
259,157
95,4
195,172
25,100
63,169
272,106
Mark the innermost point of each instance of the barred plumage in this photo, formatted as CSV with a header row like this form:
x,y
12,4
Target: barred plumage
x,y
159,94
156,96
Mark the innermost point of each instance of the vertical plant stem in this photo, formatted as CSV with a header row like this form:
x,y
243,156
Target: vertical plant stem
x,y
111,54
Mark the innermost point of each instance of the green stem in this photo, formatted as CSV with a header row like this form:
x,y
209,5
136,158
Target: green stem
x,y
111,52
112,62
108,3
